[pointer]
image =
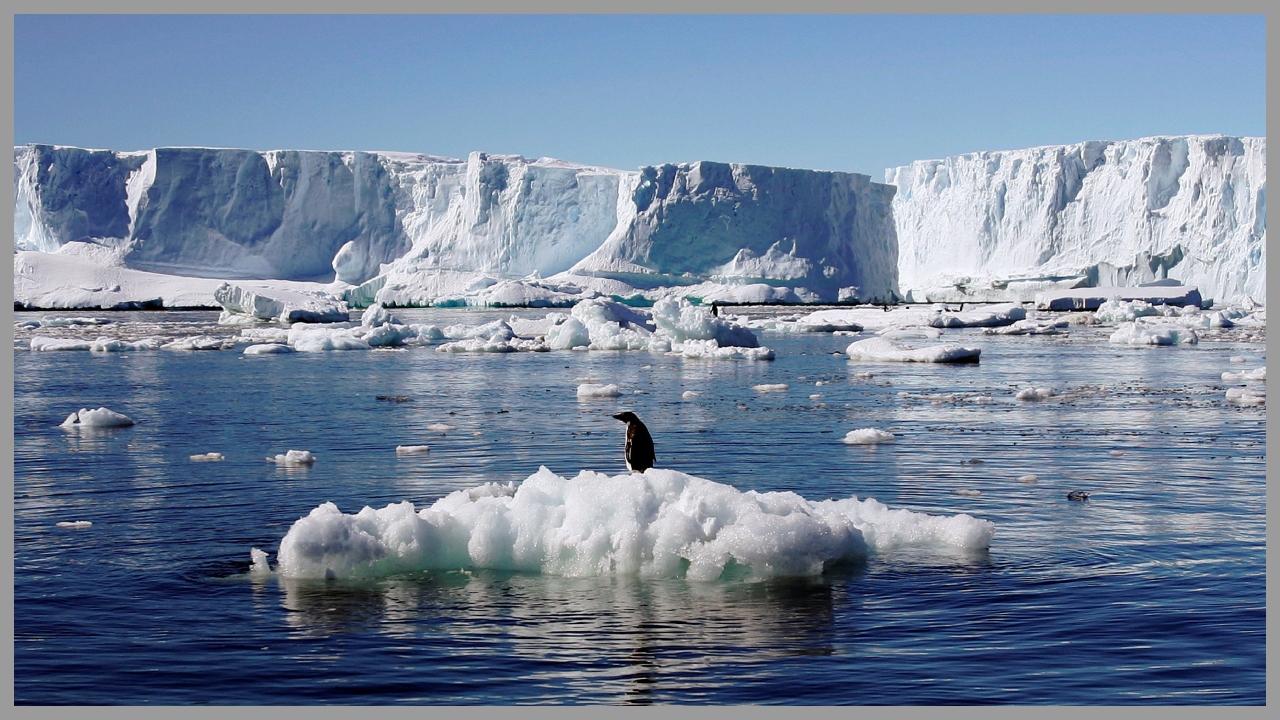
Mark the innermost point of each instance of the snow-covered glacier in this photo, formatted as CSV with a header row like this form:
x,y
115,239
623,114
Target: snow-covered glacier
x,y
1004,225
423,226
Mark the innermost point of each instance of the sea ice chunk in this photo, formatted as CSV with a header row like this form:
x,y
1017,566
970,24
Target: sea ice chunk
x,y
293,458
660,523
100,418
1035,394
412,449
592,390
771,387
208,457
867,436
1132,333
887,350
268,349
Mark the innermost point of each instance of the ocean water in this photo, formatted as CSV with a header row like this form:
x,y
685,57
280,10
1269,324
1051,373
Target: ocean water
x,y
1152,591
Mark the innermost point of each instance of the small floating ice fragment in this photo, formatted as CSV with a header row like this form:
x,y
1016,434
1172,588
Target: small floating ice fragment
x,y
771,387
75,524
967,491
259,566
439,427
208,457
815,396
594,390
1238,359
100,418
1117,453
1245,396
1035,394
867,436
412,449
689,394
1029,479
293,458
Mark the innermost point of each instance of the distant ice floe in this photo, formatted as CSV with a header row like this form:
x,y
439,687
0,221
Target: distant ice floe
x,y
689,394
412,449
74,524
660,523
591,390
294,458
100,418
1028,327
278,304
880,349
1035,394
771,387
1133,333
867,436
208,457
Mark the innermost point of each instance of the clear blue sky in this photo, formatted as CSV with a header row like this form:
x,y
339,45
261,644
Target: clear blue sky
x,y
854,93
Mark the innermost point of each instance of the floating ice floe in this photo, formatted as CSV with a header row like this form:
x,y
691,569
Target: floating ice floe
x,y
1247,396
100,418
1257,375
293,458
867,436
1028,327
1095,297
51,321
1133,333
771,387
593,390
199,342
268,349
439,427
689,394
910,333
1035,394
282,305
968,491
74,524
1029,479
660,523
882,349
100,345
412,449
208,457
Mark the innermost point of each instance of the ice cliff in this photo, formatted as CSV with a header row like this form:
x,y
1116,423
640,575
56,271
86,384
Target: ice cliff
x,y
357,216
983,225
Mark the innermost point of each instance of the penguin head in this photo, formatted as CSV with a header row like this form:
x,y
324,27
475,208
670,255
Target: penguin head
x,y
627,417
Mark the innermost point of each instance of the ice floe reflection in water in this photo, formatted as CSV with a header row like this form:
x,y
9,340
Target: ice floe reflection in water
x,y
1152,591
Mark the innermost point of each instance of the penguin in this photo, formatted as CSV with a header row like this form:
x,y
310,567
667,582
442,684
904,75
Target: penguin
x,y
639,451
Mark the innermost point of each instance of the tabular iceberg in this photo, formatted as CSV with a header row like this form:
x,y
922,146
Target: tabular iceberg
x,y
423,227
1005,225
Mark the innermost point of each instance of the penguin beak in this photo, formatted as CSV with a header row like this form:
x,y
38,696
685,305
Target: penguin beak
x,y
619,417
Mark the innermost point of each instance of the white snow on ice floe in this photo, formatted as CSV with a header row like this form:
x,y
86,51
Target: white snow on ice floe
x,y
771,387
208,457
100,418
867,436
293,458
887,350
412,449
661,523
593,390
1133,333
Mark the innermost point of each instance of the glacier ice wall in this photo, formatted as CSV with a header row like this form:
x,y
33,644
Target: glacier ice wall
x,y
306,215
1192,208
823,231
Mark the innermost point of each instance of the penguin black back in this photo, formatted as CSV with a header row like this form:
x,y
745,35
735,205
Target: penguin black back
x,y
639,450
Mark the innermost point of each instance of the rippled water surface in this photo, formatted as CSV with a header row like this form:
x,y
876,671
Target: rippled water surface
x,y
1152,591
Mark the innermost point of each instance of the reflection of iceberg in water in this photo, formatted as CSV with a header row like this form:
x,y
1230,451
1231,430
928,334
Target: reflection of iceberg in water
x,y
595,639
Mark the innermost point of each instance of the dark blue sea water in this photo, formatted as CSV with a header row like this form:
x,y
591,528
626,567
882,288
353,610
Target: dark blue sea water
x,y
1152,591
